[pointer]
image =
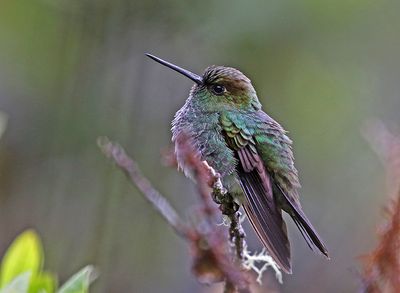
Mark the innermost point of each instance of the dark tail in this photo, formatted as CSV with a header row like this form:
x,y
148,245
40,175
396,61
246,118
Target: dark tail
x,y
266,218
263,206
304,225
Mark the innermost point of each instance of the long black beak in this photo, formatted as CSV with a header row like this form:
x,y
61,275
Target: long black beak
x,y
196,78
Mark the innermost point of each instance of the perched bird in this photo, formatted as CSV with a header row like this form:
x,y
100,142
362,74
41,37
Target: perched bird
x,y
251,152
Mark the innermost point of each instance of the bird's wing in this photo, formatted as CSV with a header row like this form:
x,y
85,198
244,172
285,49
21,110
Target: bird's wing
x,y
269,180
260,204
275,148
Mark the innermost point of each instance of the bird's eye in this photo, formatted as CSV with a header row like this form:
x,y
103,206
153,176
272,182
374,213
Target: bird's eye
x,y
218,89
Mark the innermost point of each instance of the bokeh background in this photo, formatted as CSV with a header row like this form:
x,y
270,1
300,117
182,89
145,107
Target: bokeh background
x,y
72,70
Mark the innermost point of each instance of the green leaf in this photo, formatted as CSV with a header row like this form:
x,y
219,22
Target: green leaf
x,y
25,254
79,283
19,284
43,282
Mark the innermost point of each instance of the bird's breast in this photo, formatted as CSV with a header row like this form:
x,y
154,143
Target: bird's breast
x,y
206,134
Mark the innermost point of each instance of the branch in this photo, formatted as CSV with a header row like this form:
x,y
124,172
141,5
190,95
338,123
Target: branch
x,y
212,260
115,152
382,265
206,178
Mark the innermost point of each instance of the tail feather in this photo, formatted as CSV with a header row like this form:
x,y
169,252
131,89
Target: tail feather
x,y
306,228
266,218
263,205
304,233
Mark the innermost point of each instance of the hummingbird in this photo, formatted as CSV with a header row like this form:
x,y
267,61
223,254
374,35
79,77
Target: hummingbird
x,y
251,151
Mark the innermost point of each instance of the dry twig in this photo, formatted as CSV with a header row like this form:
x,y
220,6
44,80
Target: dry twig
x,y
212,260
381,272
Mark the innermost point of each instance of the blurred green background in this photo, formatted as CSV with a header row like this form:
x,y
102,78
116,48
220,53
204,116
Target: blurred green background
x,y
72,70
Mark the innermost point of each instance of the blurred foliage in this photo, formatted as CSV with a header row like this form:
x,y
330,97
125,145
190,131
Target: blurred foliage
x,y
72,70
22,270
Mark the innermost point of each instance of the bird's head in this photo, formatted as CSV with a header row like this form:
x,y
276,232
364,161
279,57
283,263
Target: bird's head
x,y
219,87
